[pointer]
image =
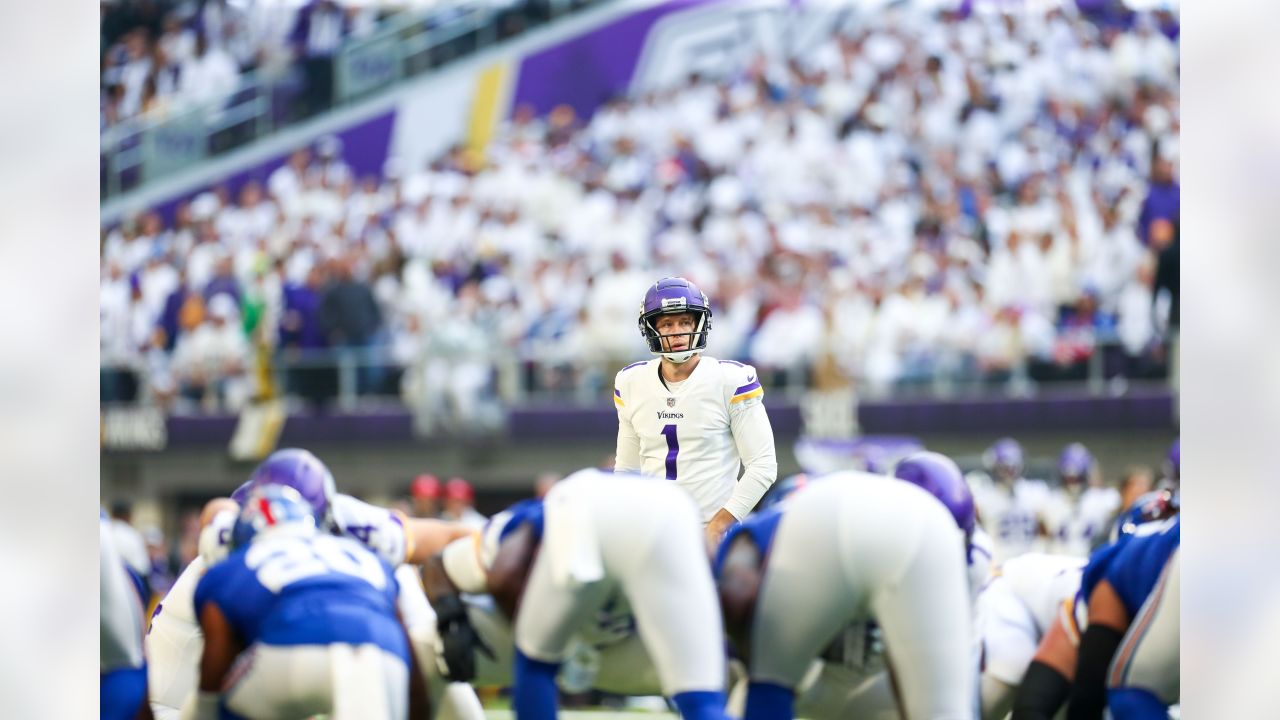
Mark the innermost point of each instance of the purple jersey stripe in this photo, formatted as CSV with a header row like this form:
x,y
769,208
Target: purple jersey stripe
x,y
753,385
732,362
616,393
634,364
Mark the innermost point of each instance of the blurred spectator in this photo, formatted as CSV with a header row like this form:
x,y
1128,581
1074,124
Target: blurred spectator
x,y
132,547
459,504
425,492
316,38
209,362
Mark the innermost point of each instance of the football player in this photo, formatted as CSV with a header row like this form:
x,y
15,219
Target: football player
x,y
1048,680
174,641
1015,610
296,622
850,547
1009,505
123,668
1128,657
1081,508
625,548
690,418
852,679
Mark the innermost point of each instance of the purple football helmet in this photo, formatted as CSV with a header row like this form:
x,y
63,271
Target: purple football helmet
x,y
301,471
1003,459
939,475
671,296
1074,464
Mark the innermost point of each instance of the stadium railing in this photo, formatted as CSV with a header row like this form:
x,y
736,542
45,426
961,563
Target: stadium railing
x,y
406,44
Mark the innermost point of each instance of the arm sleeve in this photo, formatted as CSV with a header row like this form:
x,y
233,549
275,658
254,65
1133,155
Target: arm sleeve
x,y
753,436
627,454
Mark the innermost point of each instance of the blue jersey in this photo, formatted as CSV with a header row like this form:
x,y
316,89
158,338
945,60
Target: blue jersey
x,y
1133,564
313,590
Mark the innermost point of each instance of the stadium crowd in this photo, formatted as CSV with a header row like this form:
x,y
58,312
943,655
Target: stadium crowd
x,y
921,195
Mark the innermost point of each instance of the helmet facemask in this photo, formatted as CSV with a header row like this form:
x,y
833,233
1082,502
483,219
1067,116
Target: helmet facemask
x,y
697,338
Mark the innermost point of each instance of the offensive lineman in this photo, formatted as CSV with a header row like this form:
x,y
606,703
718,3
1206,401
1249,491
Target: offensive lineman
x,y
297,622
852,680
174,641
625,547
848,547
691,418
1015,611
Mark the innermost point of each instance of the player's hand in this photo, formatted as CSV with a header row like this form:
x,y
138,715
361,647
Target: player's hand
x,y
459,639
716,528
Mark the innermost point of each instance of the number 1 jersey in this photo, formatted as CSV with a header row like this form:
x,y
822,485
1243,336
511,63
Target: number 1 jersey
x,y
697,433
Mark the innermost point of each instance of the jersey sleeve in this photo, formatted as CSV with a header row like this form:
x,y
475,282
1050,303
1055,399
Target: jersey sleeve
x,y
627,453
377,528
753,436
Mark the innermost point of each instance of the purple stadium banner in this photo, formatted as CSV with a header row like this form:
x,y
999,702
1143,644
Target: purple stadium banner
x,y
1151,410
588,70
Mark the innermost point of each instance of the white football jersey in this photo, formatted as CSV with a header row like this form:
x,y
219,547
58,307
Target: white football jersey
x,y
1073,522
1019,606
1011,514
699,433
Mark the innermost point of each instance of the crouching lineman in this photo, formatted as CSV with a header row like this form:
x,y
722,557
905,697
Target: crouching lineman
x,y
1015,611
1048,681
174,642
1128,659
851,679
597,540
850,547
298,623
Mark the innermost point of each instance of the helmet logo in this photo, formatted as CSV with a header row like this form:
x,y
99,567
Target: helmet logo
x,y
671,402
674,302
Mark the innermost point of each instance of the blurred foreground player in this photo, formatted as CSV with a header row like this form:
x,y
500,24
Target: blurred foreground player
x,y
852,678
174,641
123,669
848,547
691,418
298,623
597,542
1015,611
1128,659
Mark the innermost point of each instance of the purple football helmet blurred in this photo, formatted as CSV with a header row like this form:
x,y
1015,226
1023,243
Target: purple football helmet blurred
x,y
301,471
1075,464
671,296
939,475
1003,459
1173,466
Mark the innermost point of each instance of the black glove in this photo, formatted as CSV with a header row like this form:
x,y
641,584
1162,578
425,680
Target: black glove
x,y
458,638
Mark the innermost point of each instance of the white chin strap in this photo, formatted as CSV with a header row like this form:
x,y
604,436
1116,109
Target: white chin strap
x,y
679,358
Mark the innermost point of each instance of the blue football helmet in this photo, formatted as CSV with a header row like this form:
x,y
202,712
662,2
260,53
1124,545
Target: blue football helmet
x,y
270,508
673,296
